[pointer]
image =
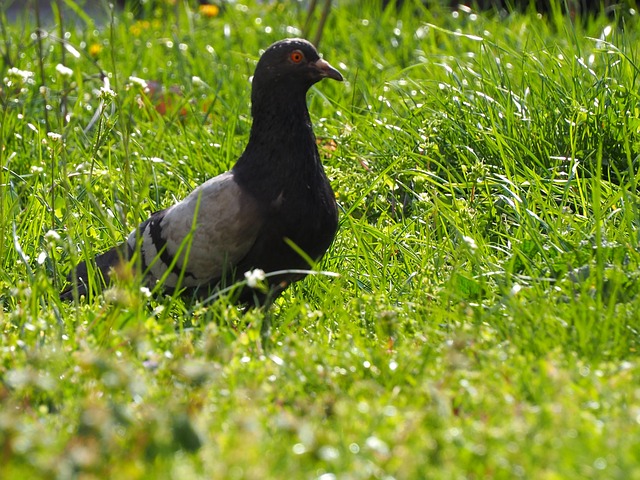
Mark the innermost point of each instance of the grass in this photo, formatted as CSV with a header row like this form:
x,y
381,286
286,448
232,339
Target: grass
x,y
485,320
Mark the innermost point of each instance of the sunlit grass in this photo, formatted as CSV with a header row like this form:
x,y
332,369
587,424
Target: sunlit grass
x,y
484,322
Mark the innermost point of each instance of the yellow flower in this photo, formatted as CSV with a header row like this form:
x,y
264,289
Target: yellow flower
x,y
95,49
209,10
140,26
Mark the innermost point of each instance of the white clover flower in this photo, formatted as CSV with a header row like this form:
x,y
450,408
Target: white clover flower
x,y
254,277
52,236
41,257
22,74
198,82
55,137
139,81
153,159
471,243
377,445
64,71
424,197
105,93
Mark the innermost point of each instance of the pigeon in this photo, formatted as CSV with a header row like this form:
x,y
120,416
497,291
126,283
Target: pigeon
x,y
272,212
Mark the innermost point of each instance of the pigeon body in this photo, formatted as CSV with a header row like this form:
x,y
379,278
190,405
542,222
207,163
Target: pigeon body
x,y
276,193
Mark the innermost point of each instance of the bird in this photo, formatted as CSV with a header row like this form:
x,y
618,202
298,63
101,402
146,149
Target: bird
x,y
272,212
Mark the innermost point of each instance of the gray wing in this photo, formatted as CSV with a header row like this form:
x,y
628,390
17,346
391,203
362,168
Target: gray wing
x,y
227,222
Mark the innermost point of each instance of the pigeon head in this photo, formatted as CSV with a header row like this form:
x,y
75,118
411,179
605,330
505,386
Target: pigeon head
x,y
291,65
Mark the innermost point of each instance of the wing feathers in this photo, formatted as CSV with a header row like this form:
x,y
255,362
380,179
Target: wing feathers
x,y
226,227
201,251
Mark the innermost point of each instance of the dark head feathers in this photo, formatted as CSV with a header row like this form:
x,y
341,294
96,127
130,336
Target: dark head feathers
x,y
294,63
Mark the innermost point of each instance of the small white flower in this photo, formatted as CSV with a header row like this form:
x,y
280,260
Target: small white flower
x,y
516,288
22,74
471,243
52,236
254,276
424,197
377,445
55,137
105,93
198,82
64,71
41,257
154,159
139,81
145,291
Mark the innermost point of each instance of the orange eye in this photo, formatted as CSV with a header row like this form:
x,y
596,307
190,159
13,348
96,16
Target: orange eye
x,y
296,56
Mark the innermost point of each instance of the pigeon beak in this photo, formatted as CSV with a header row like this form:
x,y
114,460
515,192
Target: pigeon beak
x,y
326,70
